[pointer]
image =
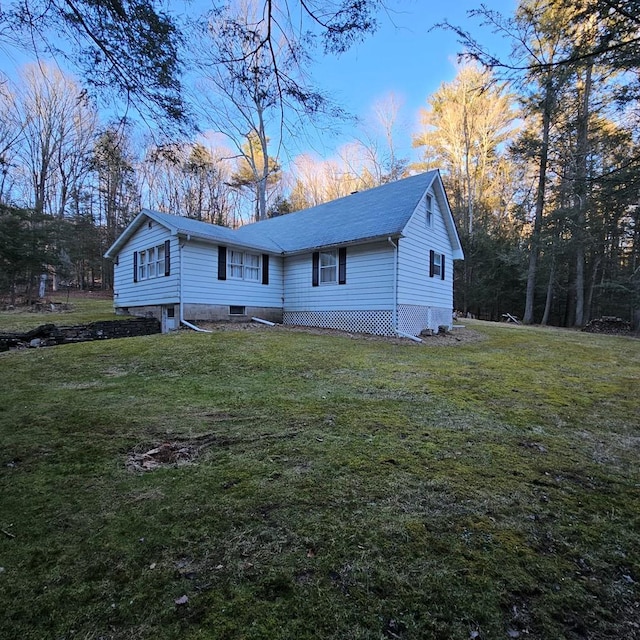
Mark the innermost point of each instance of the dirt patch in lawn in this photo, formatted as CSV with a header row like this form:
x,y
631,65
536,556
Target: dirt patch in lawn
x,y
170,453
167,454
180,451
457,336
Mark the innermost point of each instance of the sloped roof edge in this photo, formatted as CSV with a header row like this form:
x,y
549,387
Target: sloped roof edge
x,y
364,216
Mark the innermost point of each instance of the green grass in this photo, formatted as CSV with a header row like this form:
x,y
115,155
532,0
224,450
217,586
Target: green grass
x,y
82,310
343,488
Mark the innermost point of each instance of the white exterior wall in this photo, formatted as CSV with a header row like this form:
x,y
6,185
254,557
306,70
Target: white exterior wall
x,y
201,285
369,282
424,301
152,291
364,304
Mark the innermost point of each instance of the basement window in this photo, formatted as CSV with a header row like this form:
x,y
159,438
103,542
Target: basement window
x,y
237,311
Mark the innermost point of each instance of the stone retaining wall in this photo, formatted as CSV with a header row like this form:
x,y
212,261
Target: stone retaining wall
x,y
47,335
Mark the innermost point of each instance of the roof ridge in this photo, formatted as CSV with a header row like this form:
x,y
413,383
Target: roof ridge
x,y
378,212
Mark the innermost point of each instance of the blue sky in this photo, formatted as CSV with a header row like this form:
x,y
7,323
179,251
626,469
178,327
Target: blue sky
x,y
405,56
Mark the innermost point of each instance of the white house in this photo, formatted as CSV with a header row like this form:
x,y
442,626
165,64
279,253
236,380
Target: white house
x,y
378,261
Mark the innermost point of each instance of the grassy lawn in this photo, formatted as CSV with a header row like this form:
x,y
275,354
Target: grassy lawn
x,y
326,487
82,308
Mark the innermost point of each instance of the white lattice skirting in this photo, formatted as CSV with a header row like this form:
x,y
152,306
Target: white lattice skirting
x,y
376,322
412,319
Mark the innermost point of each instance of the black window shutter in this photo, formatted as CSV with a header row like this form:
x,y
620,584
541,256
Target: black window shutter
x,y
167,257
342,265
442,266
265,268
315,269
431,262
135,266
222,263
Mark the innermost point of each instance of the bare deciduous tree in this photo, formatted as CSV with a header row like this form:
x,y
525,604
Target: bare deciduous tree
x,y
58,126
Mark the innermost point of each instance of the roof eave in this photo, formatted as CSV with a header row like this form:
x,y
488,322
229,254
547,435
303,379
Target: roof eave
x,y
227,241
394,235
133,226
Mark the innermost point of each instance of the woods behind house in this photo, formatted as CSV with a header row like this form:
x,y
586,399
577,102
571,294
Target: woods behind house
x,y
539,154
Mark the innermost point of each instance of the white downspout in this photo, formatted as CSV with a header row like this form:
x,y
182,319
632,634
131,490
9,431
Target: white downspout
x,y
182,320
399,333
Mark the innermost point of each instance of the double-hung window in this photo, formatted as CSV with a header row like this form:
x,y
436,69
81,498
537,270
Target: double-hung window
x,y
236,264
429,210
152,262
436,265
160,260
252,267
328,267
142,265
244,266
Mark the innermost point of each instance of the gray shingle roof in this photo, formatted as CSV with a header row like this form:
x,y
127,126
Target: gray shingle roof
x,y
207,231
379,212
376,213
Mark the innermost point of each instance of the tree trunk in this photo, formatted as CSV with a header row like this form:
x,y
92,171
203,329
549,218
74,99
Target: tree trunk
x,y
261,208
549,299
540,194
589,299
581,196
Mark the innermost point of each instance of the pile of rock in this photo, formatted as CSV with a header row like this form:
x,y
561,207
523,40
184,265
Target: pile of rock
x,y
48,335
608,324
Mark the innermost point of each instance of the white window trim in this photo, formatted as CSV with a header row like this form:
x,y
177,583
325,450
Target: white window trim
x,y
428,210
142,264
151,262
243,267
437,265
324,270
160,260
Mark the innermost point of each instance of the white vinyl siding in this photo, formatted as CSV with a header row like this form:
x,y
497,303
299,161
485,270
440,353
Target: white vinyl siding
x,y
415,286
369,282
201,284
159,289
